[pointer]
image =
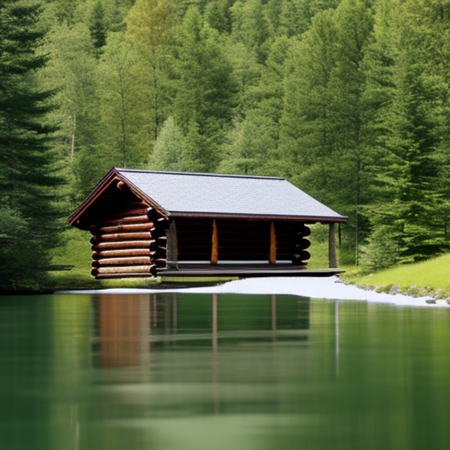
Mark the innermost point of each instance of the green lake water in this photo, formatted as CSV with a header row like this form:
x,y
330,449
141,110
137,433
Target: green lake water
x,y
193,372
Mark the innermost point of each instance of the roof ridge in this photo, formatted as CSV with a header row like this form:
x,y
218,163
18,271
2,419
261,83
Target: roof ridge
x,y
201,174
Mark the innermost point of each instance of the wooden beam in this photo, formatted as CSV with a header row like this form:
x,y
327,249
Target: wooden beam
x,y
123,261
122,253
123,228
99,246
331,247
273,244
215,242
172,246
120,237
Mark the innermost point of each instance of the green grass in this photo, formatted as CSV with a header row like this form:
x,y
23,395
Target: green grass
x,y
76,252
433,274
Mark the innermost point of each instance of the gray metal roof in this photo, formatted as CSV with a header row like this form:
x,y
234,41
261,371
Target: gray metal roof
x,y
195,193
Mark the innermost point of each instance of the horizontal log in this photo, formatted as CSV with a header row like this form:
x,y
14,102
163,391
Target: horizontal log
x,y
125,228
242,224
122,253
117,214
194,234
107,276
243,232
123,221
187,245
285,239
303,256
127,261
123,269
193,253
120,237
304,232
102,222
302,245
244,245
244,257
122,244
284,256
182,251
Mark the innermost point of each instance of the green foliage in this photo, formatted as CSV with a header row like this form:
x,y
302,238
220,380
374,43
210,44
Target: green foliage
x,y
433,273
407,92
168,148
348,99
323,138
381,251
204,88
28,176
125,92
97,26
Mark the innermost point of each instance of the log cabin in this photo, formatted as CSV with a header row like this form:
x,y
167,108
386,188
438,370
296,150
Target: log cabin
x,y
147,223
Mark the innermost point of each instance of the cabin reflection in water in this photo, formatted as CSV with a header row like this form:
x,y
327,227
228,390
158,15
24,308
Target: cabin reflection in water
x,y
127,327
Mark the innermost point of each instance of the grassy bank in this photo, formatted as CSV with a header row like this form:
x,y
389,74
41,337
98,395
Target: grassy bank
x,y
74,258
73,261
430,277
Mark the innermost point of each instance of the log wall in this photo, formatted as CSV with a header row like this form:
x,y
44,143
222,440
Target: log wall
x,y
239,240
292,242
129,238
194,239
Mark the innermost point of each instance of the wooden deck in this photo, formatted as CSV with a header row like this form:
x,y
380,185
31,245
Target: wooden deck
x,y
246,270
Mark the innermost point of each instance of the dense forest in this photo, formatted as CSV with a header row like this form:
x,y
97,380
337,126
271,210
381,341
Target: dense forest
x,y
347,99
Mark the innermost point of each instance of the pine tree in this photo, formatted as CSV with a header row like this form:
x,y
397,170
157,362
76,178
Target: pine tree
x,y
168,148
97,26
204,87
408,90
323,127
27,179
72,73
125,95
149,24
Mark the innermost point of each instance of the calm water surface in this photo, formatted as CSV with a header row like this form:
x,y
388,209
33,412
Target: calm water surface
x,y
172,371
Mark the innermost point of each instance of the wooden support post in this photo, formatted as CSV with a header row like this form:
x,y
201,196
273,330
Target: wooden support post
x,y
273,244
331,247
172,246
215,242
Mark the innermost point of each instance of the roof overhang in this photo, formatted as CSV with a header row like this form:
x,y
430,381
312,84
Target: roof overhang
x,y
111,177
200,215
114,176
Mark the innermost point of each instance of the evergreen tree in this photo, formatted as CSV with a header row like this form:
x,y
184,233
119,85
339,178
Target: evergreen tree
x,y
149,24
218,15
204,87
168,148
251,27
407,131
97,26
251,144
27,179
72,72
323,128
125,97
